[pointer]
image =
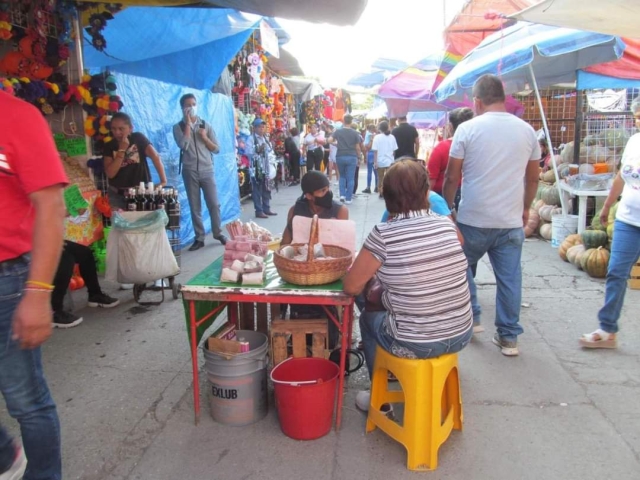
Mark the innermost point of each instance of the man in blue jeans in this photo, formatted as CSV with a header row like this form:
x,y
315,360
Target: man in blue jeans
x,y
496,154
348,142
31,230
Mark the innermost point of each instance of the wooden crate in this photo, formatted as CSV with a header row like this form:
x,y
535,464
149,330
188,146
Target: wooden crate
x,y
634,278
297,330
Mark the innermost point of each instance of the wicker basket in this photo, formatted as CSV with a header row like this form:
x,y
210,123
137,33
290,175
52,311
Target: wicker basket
x,y
313,272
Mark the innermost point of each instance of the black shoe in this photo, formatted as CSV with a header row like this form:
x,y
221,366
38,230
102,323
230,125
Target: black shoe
x,y
261,215
222,239
103,301
366,190
64,319
196,246
375,190
271,213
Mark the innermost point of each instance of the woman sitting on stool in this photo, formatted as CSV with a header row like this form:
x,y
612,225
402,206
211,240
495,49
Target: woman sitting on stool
x,y
418,258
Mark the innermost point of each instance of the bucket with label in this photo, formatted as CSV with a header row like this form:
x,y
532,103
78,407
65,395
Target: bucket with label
x,y
238,382
561,227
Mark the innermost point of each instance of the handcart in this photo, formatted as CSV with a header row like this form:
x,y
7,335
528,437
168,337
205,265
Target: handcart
x,y
144,249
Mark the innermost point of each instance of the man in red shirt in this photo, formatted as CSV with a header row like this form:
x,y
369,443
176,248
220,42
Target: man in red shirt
x,y
31,230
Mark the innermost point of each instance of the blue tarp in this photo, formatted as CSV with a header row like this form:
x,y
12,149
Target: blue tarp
x,y
184,46
590,81
154,108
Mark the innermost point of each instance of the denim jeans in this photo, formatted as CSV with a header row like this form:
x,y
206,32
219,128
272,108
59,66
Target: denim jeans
x,y
347,170
374,332
504,246
25,390
260,195
371,172
625,250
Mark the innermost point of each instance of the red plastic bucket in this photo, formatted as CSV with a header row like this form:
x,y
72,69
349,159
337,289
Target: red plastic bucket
x,y
305,390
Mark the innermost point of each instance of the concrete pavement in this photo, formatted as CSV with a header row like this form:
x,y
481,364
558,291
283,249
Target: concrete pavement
x,y
122,382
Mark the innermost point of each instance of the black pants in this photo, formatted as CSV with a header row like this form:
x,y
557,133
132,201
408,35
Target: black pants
x,y
314,159
294,167
73,253
355,180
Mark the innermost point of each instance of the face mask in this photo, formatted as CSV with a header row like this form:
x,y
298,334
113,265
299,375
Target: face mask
x,y
326,201
193,111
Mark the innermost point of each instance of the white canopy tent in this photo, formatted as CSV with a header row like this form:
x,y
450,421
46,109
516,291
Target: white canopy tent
x,y
612,17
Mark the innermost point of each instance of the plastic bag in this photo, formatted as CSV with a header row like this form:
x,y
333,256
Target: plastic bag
x,y
584,181
138,250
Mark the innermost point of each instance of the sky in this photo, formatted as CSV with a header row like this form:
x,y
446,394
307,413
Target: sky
x,y
400,29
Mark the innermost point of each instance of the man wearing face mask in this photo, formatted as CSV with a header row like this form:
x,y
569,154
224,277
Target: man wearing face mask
x,y
316,199
197,142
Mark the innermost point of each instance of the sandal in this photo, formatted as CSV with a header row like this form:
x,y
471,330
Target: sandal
x,y
599,339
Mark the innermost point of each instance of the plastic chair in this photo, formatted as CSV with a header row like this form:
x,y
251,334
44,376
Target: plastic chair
x,y
432,404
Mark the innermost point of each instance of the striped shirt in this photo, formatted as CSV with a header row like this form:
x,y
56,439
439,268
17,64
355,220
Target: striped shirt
x,y
424,273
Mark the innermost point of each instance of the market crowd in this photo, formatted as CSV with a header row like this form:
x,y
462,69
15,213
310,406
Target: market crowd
x,y
413,277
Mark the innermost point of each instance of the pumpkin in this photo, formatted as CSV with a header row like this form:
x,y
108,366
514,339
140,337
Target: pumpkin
x,y
569,241
548,211
611,219
537,205
573,252
594,238
549,176
596,224
545,231
595,262
551,196
532,224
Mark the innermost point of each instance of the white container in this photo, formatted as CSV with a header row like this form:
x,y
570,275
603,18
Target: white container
x,y
561,227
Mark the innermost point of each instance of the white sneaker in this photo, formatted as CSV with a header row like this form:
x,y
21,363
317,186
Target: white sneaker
x,y
16,471
348,202
363,400
342,199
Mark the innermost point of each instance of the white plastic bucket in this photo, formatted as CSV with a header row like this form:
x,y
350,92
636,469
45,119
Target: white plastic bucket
x,y
561,227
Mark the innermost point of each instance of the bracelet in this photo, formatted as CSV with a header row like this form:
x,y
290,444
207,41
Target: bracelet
x,y
29,289
36,283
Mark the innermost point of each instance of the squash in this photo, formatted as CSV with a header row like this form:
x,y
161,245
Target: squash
x,y
545,231
594,238
596,224
611,219
548,211
595,262
532,224
568,242
549,176
551,196
573,252
537,205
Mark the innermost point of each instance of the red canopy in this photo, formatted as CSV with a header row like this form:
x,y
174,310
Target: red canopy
x,y
626,67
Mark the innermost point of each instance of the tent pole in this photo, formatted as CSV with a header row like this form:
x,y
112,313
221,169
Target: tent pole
x,y
548,135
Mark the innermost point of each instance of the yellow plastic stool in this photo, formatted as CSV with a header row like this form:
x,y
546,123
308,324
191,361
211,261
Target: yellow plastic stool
x,y
432,404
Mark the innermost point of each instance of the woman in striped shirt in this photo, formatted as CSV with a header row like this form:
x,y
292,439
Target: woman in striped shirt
x,y
418,258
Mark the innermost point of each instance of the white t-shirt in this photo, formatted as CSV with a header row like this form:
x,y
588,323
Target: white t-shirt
x,y
629,207
385,145
496,148
310,140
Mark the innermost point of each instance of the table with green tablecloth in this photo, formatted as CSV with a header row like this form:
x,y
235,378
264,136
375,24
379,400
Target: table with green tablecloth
x,y
205,297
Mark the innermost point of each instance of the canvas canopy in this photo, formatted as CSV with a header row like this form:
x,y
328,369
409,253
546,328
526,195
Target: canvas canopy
x,y
612,17
328,11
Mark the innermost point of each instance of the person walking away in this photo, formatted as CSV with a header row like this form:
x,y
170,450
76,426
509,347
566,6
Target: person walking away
x,y
73,253
331,164
439,158
197,142
625,246
496,154
348,150
125,160
361,159
292,149
313,143
427,316
32,213
371,171
407,138
258,149
383,146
